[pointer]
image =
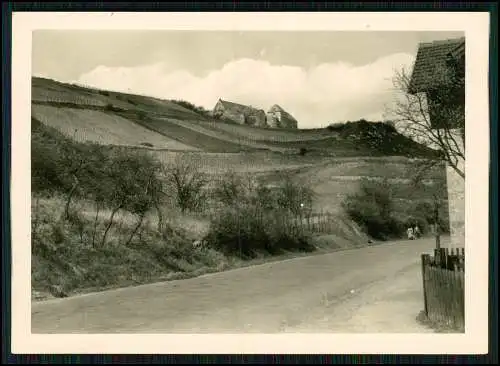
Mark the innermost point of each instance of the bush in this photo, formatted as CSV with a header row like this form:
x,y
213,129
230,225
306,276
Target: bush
x,y
247,230
187,183
293,196
141,115
64,258
230,189
424,215
200,110
338,126
118,179
372,208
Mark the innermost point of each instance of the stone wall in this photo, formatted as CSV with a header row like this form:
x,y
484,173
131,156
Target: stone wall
x,y
256,118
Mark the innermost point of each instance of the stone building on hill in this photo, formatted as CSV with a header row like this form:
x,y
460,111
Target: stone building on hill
x,y
276,117
240,113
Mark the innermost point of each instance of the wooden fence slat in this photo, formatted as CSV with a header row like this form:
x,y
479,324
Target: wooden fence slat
x,y
443,288
424,266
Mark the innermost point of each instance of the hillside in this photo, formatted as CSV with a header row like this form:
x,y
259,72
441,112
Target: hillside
x,y
103,131
333,159
173,126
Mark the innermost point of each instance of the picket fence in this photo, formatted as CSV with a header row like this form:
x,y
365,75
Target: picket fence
x,y
443,285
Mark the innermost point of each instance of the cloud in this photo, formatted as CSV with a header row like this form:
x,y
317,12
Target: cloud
x,y
317,96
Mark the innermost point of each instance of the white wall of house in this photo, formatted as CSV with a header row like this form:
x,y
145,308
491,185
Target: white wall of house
x,y
456,201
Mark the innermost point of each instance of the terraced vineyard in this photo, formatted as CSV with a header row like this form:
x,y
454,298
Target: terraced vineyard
x,y
100,127
266,134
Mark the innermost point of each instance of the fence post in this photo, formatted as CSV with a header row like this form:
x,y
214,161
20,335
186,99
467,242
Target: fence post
x,y
424,264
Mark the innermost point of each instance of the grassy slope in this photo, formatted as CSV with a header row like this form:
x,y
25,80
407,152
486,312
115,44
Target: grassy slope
x,y
175,122
46,90
333,180
331,176
104,128
165,127
265,134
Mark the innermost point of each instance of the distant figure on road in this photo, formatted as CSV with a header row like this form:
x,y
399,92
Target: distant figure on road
x,y
410,234
416,232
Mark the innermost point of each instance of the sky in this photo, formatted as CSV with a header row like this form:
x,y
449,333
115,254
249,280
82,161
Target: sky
x,y
318,77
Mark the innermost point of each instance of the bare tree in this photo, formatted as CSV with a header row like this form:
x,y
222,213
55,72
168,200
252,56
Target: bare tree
x,y
188,183
433,118
230,189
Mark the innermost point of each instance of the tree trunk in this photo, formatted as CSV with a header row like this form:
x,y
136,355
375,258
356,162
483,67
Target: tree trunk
x,y
70,196
141,218
110,223
160,217
95,223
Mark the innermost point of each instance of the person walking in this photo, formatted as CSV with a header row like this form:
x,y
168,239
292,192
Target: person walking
x,y
416,232
409,232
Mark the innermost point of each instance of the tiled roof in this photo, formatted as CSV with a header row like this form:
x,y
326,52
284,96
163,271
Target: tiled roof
x,y
277,108
431,61
239,107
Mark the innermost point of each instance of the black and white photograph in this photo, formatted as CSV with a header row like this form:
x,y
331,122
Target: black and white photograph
x,y
237,180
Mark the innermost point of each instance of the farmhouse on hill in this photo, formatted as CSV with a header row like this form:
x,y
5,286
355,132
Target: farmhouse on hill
x,y
240,113
276,117
431,74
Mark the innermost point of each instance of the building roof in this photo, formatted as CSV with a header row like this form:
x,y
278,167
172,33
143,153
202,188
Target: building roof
x,y
277,108
239,107
431,60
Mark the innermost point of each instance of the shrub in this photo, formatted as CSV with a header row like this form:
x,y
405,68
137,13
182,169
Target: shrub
x,y
293,196
61,259
118,179
338,126
200,110
423,213
230,189
187,183
104,92
247,230
263,197
141,115
372,208
147,144
391,126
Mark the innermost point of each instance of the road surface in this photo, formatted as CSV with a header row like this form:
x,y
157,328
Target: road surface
x,y
373,289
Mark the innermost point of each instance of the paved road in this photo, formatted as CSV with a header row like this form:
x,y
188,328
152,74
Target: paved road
x,y
274,297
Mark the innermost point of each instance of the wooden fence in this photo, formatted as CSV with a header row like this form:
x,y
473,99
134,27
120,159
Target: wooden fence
x,y
443,285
